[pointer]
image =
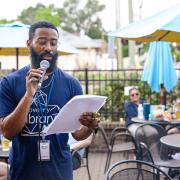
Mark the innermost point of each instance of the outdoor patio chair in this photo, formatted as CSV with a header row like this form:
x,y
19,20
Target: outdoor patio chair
x,y
135,170
133,127
81,159
147,137
126,146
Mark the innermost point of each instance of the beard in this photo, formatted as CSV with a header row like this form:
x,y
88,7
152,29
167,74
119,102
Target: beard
x,y
36,58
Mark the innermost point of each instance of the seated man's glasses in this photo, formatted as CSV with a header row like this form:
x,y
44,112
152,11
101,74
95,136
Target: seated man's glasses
x,y
135,94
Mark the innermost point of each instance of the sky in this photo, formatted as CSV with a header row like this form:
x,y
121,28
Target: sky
x,y
10,9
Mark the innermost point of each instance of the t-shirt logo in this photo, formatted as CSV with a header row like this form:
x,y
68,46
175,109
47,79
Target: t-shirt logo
x,y
38,119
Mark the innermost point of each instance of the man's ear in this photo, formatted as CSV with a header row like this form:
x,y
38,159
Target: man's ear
x,y
28,43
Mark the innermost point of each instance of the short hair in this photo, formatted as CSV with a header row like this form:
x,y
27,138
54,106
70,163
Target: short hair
x,y
40,24
133,88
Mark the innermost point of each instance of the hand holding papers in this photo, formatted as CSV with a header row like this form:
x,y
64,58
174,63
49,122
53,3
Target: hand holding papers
x,y
68,118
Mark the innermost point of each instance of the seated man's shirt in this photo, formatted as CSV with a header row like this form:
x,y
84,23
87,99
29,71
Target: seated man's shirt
x,y
130,110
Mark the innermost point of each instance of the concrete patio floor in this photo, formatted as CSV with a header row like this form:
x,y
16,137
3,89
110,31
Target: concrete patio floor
x,y
96,166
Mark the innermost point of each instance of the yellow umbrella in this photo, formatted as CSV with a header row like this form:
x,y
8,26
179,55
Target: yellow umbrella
x,y
163,26
13,39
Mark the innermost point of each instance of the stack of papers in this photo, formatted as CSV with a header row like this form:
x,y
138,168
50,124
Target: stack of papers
x,y
67,119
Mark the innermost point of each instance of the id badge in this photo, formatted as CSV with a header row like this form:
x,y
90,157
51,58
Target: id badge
x,y
44,150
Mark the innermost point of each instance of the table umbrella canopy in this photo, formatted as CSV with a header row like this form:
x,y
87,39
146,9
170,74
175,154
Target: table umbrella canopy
x,y
13,39
163,26
159,69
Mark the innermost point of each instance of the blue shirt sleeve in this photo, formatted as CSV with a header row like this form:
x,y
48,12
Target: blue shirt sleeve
x,y
7,101
130,110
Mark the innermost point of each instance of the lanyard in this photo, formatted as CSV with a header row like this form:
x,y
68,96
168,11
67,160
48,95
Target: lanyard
x,y
46,105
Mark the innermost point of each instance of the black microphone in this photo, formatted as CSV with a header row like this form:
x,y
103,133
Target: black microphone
x,y
44,64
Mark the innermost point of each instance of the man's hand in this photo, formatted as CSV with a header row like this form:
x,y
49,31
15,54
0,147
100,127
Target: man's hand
x,y
90,120
174,131
32,80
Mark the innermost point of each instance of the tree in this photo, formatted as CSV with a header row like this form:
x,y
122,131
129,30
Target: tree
x,y
41,12
73,17
49,13
76,18
4,21
96,30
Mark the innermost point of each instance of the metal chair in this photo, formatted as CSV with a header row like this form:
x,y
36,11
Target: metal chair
x,y
125,147
136,170
84,159
147,137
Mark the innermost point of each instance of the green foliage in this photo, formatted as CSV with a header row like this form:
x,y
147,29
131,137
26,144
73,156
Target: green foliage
x,y
144,49
112,83
76,18
96,31
28,15
176,54
4,21
125,50
41,12
72,17
49,14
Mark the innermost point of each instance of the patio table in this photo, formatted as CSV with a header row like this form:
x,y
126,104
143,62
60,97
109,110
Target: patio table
x,y
163,123
171,140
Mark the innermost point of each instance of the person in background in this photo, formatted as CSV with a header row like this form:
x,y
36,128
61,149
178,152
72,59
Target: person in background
x,y
174,130
78,149
4,167
27,108
130,107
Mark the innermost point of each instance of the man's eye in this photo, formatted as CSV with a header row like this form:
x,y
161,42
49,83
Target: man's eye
x,y
54,43
42,42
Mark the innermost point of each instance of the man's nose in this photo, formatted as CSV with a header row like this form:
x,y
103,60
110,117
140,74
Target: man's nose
x,y
48,46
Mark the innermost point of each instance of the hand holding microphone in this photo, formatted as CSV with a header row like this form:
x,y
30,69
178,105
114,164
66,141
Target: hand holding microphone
x,y
35,77
44,64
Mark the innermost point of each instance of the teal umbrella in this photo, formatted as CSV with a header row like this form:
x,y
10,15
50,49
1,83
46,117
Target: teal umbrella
x,y
159,69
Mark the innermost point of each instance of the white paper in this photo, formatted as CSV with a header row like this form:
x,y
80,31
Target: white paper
x,y
67,119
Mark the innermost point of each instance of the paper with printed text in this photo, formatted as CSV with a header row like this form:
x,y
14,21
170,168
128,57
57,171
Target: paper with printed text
x,y
67,119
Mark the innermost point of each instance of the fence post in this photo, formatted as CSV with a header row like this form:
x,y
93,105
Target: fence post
x,y
86,81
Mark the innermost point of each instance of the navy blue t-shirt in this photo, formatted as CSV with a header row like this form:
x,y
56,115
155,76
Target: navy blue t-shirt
x,y
24,162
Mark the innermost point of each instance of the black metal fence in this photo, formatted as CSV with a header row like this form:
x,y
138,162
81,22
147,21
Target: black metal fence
x,y
111,83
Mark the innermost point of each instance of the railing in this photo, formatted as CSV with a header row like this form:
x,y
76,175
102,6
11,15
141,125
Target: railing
x,y
111,83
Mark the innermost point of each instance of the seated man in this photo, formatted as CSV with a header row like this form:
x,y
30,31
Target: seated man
x,y
130,107
174,130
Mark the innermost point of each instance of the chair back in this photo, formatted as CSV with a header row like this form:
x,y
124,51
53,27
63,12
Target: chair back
x,y
150,135
136,170
132,128
145,153
101,129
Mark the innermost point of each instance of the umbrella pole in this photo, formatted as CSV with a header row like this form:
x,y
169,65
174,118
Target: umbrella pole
x,y
17,58
164,98
163,95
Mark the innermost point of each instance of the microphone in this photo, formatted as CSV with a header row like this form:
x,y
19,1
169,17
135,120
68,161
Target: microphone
x,y
44,64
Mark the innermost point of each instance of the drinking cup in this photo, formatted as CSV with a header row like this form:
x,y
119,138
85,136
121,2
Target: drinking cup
x,y
146,110
5,143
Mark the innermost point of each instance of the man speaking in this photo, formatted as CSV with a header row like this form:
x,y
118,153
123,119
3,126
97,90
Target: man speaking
x,y
30,98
